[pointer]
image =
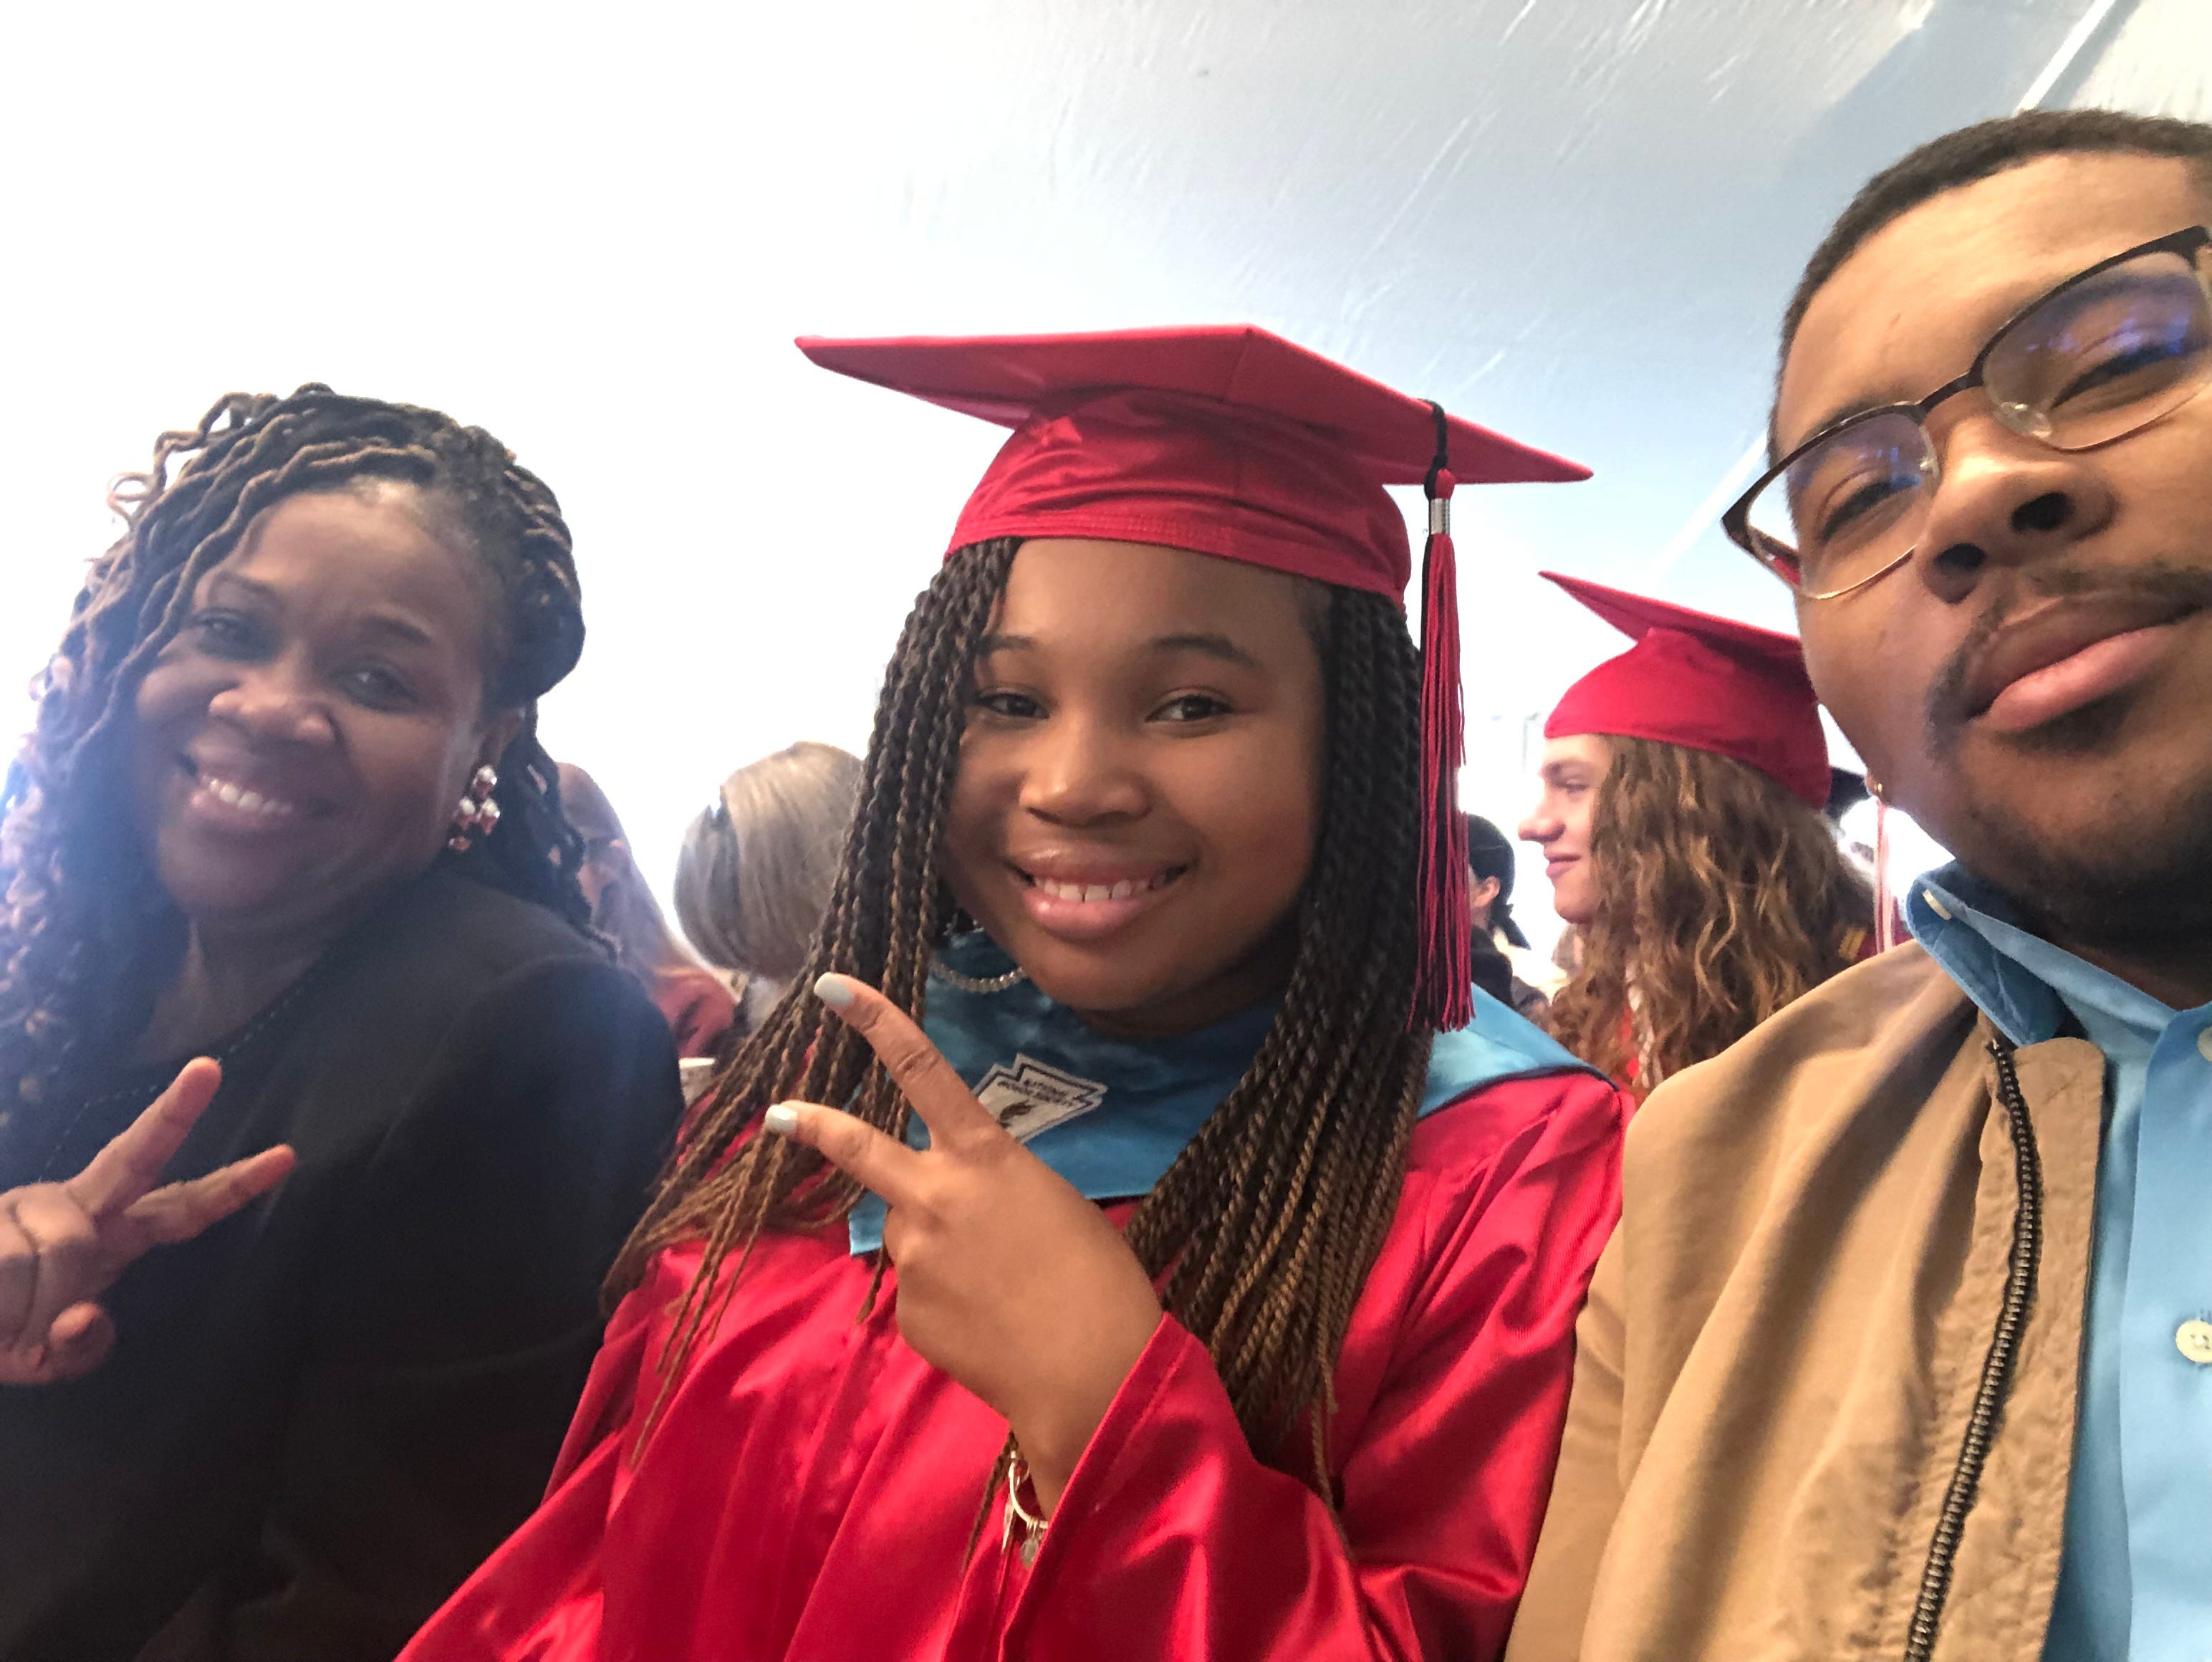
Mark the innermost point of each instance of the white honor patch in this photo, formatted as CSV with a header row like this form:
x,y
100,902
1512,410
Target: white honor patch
x,y
1030,1097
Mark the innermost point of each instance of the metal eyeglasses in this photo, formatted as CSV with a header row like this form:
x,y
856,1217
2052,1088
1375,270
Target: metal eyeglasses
x,y
2105,353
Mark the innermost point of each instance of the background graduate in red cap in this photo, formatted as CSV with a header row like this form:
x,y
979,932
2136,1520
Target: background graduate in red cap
x,y
1222,1301
1682,827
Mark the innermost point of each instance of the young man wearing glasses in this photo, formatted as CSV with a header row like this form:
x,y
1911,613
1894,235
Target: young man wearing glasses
x,y
1903,1348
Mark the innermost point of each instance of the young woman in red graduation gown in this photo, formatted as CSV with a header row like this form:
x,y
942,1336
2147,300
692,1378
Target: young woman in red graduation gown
x,y
1224,1305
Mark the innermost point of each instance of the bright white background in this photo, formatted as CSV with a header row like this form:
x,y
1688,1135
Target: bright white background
x,y
595,230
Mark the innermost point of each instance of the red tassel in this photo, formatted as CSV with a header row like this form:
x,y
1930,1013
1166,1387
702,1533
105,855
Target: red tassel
x,y
1443,976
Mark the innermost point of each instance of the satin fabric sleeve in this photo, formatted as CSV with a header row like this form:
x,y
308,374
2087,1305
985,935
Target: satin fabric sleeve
x,y
1586,1493
1173,1539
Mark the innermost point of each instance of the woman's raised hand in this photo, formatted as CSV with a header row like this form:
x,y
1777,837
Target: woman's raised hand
x,y
1008,1279
61,1244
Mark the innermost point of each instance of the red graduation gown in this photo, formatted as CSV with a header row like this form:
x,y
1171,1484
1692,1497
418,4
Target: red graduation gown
x,y
810,1490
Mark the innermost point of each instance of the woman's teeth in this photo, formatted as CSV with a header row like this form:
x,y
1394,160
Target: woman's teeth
x,y
237,796
1121,890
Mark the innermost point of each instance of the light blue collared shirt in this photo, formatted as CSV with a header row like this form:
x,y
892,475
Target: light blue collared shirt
x,y
2135,1584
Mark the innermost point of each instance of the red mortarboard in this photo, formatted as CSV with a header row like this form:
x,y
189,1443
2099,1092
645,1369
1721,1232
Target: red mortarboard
x,y
1232,441
1707,683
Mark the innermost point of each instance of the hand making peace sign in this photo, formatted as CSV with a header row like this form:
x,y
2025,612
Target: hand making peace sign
x,y
61,1244
1008,1279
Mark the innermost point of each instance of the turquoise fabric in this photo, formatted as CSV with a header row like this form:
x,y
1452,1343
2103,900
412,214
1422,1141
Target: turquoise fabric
x,y
1118,1112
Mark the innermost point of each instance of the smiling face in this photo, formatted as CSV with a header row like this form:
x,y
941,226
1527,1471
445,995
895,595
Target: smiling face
x,y
1572,767
303,739
2032,684
1140,779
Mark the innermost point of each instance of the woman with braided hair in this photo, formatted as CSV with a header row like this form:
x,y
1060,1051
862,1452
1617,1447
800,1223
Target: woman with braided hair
x,y
284,813
1118,1243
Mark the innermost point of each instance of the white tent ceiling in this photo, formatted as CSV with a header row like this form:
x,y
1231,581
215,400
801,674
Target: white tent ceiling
x,y
595,230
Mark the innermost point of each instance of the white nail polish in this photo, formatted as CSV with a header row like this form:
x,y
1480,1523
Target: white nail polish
x,y
780,1120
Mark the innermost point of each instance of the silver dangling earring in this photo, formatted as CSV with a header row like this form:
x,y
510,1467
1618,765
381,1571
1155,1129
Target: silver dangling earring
x,y
478,812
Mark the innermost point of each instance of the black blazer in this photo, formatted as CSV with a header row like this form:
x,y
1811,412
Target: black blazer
x,y
324,1413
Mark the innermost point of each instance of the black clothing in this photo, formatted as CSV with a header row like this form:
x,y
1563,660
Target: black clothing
x,y
320,1415
1489,855
1527,1001
1492,970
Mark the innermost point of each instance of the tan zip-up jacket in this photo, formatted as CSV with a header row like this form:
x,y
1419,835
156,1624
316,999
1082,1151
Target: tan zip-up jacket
x,y
1785,1339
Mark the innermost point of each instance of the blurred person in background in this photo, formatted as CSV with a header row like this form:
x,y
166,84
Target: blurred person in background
x,y
695,1000
1848,789
1498,938
754,875
284,808
1683,786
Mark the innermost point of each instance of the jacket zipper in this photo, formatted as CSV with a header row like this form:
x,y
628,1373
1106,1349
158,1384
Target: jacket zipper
x,y
1996,1367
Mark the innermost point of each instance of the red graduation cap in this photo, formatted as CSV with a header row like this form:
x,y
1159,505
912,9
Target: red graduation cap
x,y
1232,441
1708,683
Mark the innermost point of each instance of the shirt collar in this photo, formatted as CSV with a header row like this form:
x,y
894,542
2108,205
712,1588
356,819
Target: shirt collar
x,y
2021,982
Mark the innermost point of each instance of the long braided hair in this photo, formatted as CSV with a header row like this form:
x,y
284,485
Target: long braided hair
x,y
86,936
1265,1226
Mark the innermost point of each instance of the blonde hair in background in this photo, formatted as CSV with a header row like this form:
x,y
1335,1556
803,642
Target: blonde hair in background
x,y
754,876
1721,897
